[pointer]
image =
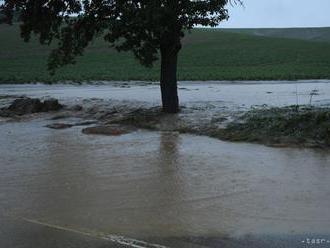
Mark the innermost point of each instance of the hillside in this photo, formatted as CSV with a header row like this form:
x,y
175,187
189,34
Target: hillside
x,y
310,34
208,54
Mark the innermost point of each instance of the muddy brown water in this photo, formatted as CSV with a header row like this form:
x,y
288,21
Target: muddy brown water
x,y
158,185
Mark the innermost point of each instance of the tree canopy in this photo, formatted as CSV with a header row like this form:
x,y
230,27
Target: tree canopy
x,y
141,26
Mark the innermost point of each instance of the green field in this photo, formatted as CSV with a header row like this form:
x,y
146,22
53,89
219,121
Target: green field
x,y
310,34
208,54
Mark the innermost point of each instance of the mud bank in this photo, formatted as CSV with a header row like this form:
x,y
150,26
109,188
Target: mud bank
x,y
294,126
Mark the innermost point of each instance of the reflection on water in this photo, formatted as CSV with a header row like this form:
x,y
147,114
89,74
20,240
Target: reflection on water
x,y
168,150
150,184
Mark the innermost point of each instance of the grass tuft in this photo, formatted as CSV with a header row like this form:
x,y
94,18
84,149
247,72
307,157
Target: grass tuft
x,y
304,125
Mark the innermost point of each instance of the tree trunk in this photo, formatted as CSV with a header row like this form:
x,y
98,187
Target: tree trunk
x,y
168,80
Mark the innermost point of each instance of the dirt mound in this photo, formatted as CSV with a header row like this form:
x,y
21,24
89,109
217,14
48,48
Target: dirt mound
x,y
23,106
111,130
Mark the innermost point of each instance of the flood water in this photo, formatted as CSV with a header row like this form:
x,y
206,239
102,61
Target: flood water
x,y
238,94
164,185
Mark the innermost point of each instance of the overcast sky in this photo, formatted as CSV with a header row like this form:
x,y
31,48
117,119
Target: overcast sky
x,y
280,13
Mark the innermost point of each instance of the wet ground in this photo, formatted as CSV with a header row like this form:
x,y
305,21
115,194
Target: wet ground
x,y
61,188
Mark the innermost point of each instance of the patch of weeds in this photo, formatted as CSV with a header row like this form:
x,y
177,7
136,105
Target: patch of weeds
x,y
303,126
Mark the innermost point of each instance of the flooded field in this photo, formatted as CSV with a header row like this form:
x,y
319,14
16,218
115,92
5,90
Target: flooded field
x,y
165,188
239,94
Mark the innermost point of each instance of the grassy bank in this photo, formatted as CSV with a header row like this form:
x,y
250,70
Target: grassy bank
x,y
206,55
288,126
293,126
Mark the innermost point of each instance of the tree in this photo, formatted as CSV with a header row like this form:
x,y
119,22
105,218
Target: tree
x,y
148,28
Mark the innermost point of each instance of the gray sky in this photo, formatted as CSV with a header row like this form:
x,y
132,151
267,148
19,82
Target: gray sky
x,y
280,13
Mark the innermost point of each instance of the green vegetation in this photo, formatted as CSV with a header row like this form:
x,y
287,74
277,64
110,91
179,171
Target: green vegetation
x,y
298,126
207,55
295,125
311,34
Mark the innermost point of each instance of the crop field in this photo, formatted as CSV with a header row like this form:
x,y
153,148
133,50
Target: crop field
x,y
207,54
311,34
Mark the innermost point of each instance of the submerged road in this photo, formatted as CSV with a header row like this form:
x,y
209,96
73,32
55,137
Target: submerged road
x,y
31,234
